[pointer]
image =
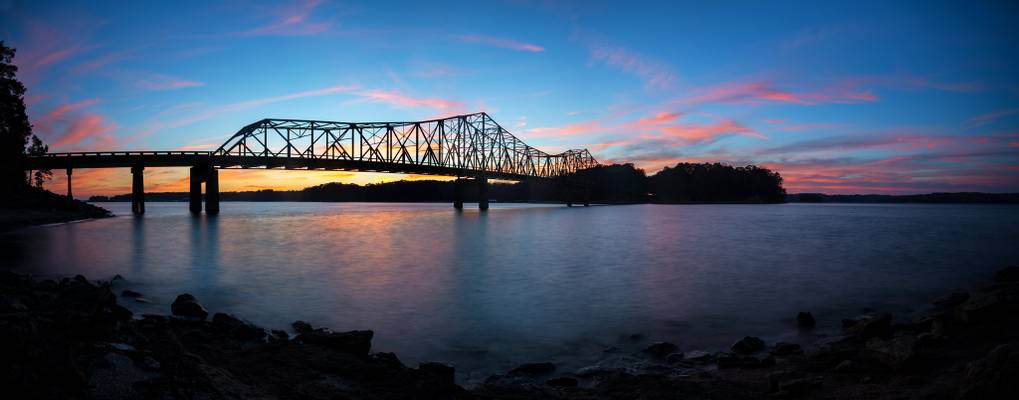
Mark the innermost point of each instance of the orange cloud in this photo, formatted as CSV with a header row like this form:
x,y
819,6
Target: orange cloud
x,y
501,42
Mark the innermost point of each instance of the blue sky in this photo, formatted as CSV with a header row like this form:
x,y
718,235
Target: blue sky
x,y
861,97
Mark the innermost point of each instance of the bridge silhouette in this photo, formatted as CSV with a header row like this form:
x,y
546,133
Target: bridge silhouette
x,y
471,147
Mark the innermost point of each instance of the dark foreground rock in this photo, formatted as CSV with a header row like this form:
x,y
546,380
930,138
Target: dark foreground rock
x,y
70,339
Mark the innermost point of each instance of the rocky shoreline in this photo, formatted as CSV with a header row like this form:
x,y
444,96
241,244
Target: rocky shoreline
x,y
71,339
35,206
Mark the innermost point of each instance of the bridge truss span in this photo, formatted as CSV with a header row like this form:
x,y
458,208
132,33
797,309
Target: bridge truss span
x,y
470,145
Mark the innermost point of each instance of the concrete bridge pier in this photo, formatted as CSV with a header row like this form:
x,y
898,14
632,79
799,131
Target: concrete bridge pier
x,y
195,196
212,192
138,190
482,194
458,194
69,195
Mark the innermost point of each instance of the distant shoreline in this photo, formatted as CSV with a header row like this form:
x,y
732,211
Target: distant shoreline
x,y
287,196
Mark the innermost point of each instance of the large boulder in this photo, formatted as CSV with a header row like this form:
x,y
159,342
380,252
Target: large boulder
x,y
896,353
805,319
357,343
993,377
783,349
869,326
748,345
187,305
661,349
237,328
533,369
1007,275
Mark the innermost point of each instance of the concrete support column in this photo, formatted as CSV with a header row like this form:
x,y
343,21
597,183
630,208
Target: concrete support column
x,y
458,193
69,194
137,190
482,194
212,192
195,198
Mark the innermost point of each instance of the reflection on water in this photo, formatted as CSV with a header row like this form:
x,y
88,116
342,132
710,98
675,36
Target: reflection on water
x,y
527,283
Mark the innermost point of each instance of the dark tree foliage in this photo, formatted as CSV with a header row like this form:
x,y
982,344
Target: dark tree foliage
x,y
696,183
616,183
16,138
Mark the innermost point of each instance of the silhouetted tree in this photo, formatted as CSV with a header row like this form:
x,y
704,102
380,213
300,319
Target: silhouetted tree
x,y
616,183
696,183
16,138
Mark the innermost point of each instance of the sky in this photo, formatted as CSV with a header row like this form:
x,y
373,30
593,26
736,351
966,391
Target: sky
x,y
838,97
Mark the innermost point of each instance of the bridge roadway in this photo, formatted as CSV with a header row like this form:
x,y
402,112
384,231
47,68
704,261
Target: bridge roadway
x,y
204,167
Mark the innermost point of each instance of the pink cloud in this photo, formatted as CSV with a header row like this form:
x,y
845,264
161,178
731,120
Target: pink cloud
x,y
656,74
703,133
987,118
658,119
88,129
501,42
46,123
398,99
763,92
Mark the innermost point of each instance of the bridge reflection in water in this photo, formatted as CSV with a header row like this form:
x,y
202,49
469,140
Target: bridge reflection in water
x,y
473,148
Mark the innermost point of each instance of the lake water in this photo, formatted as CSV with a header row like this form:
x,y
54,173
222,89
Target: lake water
x,y
487,291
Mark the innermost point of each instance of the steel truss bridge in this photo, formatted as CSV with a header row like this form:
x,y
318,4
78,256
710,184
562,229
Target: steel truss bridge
x,y
471,147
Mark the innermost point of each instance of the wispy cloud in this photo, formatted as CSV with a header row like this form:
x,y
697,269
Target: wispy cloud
x,y
655,74
395,98
501,42
293,19
765,92
987,118
87,130
702,133
153,81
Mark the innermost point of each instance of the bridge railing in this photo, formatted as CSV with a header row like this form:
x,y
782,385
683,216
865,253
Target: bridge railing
x,y
126,153
471,142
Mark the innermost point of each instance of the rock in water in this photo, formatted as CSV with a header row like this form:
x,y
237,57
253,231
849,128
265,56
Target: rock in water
x,y
748,345
563,381
786,349
533,369
869,326
661,349
187,305
358,343
302,327
806,319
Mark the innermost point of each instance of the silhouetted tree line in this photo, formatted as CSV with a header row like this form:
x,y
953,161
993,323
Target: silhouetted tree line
x,y
618,183
16,138
698,183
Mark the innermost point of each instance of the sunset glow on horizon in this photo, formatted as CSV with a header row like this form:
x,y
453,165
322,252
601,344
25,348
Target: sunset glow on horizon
x,y
838,98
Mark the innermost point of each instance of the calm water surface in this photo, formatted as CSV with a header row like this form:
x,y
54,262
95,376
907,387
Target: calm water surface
x,y
519,284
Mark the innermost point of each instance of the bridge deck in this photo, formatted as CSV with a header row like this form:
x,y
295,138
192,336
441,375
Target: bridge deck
x,y
127,159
